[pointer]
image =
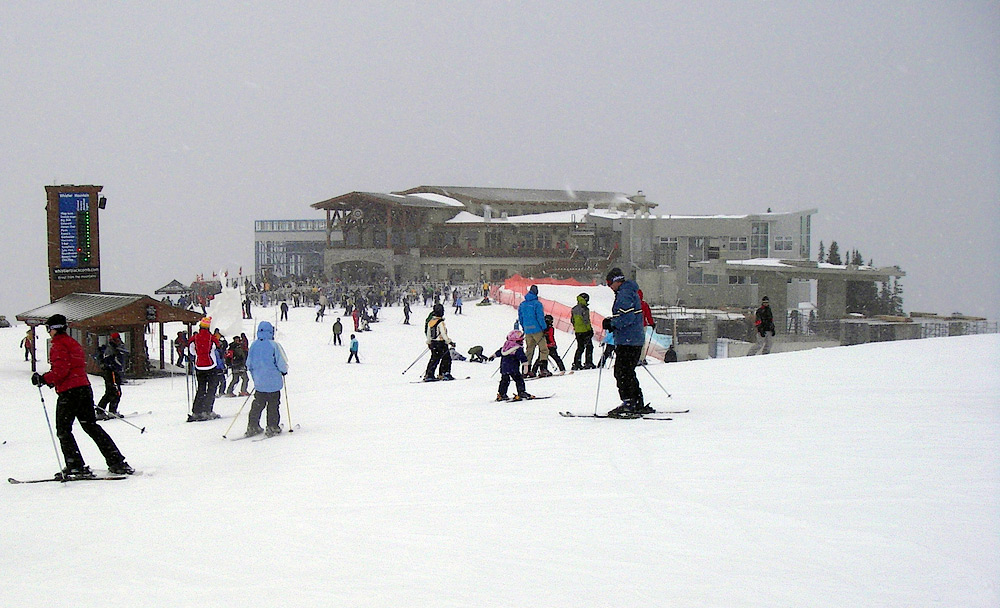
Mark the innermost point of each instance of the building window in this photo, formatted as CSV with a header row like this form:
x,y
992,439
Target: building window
x,y
544,240
666,251
805,237
759,239
697,276
737,280
493,239
782,243
697,248
738,243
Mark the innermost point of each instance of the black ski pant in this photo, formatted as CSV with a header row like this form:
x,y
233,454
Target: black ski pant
x,y
204,395
626,358
584,344
439,354
518,383
112,391
78,404
262,401
336,340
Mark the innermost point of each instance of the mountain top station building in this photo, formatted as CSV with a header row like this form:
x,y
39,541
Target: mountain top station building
x,y
467,235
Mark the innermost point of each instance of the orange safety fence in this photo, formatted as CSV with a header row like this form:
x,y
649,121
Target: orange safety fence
x,y
512,294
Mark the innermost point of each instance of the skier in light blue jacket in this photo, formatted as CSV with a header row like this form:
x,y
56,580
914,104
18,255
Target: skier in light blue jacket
x,y
268,365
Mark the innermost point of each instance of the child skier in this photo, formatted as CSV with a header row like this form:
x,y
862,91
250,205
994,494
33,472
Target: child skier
x,y
511,357
354,350
550,341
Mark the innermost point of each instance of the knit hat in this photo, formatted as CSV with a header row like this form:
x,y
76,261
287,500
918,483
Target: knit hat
x,y
115,336
206,322
615,275
56,321
764,299
533,289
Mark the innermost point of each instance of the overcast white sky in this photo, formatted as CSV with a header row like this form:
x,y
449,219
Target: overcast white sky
x,y
200,117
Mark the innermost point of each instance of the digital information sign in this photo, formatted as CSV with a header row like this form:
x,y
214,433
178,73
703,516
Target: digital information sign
x,y
73,205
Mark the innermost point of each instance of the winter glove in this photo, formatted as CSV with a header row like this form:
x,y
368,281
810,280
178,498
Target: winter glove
x,y
37,379
606,324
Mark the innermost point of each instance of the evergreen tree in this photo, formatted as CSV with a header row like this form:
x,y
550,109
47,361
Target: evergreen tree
x,y
833,256
822,253
896,298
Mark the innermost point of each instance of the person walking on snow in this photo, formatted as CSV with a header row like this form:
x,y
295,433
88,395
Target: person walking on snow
x,y
438,342
338,328
531,316
626,322
764,323
238,365
28,343
511,358
68,375
268,365
354,350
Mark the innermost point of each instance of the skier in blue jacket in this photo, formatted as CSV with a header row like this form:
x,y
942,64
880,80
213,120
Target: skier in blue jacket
x,y
268,365
531,316
626,322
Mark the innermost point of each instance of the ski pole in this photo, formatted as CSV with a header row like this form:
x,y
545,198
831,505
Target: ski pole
x,y
669,396
422,353
288,410
237,416
597,397
51,434
122,418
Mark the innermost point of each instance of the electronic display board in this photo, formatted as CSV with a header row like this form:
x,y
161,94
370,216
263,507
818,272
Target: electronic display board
x,y
74,229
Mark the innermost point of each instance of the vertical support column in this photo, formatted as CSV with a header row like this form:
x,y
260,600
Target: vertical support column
x,y
831,298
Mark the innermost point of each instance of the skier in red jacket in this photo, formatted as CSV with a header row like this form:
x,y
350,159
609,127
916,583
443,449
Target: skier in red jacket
x,y
75,402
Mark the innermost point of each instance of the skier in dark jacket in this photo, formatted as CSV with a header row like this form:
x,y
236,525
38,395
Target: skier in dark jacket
x,y
111,356
626,322
237,358
511,357
550,342
764,323
75,402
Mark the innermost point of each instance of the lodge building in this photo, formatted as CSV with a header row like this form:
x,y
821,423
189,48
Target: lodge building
x,y
468,234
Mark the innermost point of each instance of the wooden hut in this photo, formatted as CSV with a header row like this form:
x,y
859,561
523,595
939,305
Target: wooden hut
x,y
92,317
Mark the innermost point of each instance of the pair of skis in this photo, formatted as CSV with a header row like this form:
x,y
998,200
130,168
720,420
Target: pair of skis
x,y
658,415
107,476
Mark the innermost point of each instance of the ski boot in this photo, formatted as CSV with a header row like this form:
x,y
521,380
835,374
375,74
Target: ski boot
x,y
502,397
523,397
447,377
625,410
81,472
271,431
253,431
121,469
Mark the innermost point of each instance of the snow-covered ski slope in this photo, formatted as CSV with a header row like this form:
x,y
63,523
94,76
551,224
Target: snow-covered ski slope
x,y
860,476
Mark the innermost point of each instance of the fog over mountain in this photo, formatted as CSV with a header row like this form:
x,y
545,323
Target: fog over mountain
x,y
198,118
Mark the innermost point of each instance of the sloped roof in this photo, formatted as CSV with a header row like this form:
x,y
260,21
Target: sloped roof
x,y
77,307
524,195
174,286
402,200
